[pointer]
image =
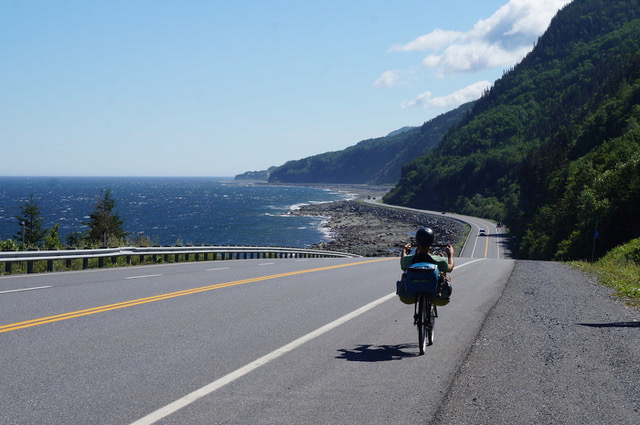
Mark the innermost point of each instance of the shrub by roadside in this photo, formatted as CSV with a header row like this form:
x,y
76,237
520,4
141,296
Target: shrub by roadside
x,y
619,269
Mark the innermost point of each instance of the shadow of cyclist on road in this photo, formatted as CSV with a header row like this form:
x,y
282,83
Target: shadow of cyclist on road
x,y
377,353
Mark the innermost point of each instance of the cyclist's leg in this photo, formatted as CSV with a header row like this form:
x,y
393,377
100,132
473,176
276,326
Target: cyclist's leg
x,y
432,314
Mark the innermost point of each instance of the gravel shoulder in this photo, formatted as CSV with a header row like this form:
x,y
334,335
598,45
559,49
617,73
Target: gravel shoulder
x,y
557,348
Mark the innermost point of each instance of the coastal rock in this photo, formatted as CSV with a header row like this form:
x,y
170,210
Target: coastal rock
x,y
373,230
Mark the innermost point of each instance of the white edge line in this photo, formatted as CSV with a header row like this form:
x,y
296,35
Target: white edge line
x,y
219,268
208,389
142,277
215,385
25,289
467,263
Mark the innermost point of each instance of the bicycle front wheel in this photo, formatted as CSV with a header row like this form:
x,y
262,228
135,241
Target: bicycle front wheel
x,y
424,309
431,324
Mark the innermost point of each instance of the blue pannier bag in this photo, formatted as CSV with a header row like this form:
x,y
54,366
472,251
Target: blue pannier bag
x,y
421,277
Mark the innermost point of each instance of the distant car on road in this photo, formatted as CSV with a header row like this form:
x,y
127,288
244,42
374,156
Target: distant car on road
x,y
482,232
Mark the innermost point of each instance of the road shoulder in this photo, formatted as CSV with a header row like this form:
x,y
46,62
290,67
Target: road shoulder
x,y
556,348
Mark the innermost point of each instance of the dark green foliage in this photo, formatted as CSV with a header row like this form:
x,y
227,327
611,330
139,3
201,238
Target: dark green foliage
x,y
30,222
552,149
377,161
104,224
262,175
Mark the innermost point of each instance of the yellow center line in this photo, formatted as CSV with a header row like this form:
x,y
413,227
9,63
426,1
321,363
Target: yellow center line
x,y
131,303
486,246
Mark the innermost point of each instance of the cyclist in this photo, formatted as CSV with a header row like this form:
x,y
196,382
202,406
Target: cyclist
x,y
424,240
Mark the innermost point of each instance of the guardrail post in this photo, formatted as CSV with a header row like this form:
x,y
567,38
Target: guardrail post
x,y
166,258
176,258
197,255
114,260
206,256
29,266
7,266
128,260
101,262
141,258
85,263
49,265
68,263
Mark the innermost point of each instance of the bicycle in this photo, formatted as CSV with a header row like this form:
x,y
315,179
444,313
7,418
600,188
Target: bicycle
x,y
424,317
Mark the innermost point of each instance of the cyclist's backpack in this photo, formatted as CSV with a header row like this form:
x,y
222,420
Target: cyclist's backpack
x,y
419,277
422,277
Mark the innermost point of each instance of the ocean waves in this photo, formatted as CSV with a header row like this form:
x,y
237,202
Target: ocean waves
x,y
173,211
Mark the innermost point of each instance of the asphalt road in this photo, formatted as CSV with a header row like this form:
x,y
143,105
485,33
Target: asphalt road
x,y
486,239
318,341
235,342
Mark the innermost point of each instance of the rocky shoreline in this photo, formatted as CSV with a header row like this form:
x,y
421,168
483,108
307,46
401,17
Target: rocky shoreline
x,y
374,230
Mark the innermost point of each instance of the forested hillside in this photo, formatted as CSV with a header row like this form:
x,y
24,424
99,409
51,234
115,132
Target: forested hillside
x,y
553,148
377,161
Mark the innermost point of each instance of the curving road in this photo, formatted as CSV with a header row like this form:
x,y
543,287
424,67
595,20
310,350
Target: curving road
x,y
494,243
315,341
233,342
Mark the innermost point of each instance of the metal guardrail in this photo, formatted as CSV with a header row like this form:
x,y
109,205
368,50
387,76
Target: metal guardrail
x,y
204,252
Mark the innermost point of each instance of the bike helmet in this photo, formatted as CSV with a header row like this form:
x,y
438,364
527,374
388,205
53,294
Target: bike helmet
x,y
425,236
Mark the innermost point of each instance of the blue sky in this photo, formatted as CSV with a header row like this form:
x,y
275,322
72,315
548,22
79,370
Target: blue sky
x,y
213,88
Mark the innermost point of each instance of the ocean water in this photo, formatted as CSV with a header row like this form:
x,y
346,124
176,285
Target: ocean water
x,y
209,211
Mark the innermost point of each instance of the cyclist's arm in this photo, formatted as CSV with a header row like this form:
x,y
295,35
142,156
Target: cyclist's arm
x,y
405,251
450,255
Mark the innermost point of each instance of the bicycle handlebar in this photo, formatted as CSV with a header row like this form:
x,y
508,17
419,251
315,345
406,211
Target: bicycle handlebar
x,y
414,244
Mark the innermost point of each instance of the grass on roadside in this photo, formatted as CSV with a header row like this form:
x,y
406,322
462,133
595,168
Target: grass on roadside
x,y
620,270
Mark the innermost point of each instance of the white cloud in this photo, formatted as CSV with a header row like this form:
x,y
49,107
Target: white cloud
x,y
435,40
474,56
498,41
467,94
387,79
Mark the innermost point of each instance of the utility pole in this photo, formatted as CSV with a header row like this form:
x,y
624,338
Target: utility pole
x,y
596,234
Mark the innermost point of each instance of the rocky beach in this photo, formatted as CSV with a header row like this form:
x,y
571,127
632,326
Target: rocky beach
x,y
375,230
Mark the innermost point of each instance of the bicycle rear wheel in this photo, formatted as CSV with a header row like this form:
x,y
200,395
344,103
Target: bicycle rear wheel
x,y
424,309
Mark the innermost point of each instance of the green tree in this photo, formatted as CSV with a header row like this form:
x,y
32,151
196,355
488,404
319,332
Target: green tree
x,y
30,222
76,239
52,238
104,224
